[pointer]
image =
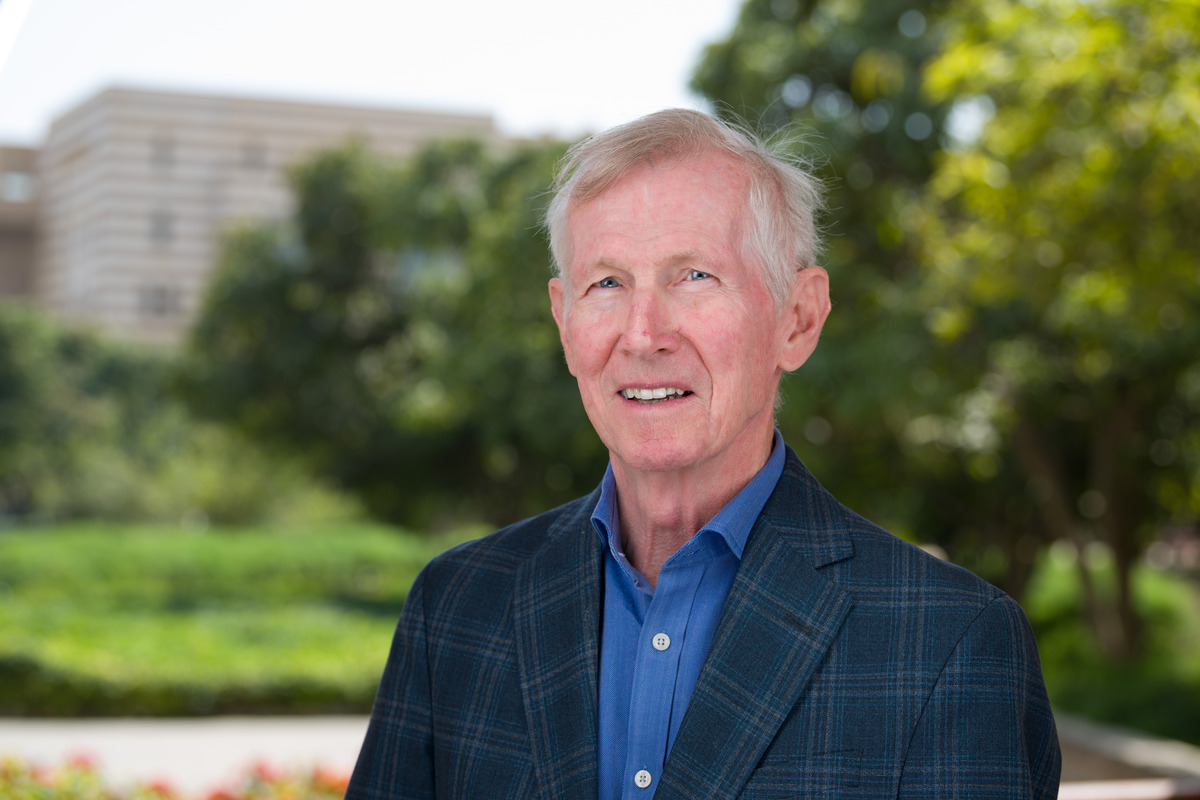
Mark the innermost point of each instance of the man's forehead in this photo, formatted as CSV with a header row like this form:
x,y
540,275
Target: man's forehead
x,y
697,178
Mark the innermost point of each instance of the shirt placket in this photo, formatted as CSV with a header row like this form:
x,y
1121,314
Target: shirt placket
x,y
652,696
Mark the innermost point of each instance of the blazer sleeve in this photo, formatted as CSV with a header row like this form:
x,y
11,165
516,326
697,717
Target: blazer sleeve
x,y
986,730
396,760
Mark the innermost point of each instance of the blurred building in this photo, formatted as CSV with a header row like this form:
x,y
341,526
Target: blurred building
x,y
135,189
18,219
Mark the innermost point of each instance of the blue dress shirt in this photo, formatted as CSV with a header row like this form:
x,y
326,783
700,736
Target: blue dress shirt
x,y
654,641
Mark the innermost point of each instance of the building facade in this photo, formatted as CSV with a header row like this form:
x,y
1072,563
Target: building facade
x,y
137,188
18,220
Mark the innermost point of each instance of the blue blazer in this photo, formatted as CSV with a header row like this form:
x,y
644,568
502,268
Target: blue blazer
x,y
847,664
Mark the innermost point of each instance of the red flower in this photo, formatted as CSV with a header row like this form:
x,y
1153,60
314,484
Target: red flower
x,y
331,780
83,760
162,788
262,771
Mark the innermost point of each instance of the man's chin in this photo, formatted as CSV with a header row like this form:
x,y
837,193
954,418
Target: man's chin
x,y
657,456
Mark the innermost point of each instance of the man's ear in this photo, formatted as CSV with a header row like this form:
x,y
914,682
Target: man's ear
x,y
557,292
803,317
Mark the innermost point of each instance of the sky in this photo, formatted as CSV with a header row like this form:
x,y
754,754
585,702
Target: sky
x,y
558,67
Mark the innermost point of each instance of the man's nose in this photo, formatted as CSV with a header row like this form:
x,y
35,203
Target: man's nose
x,y
651,326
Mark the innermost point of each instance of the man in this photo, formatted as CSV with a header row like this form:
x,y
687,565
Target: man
x,y
709,622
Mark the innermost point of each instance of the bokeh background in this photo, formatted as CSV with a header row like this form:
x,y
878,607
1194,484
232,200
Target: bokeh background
x,y
213,499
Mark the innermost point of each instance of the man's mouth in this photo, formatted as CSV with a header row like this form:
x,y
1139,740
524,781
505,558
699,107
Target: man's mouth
x,y
659,395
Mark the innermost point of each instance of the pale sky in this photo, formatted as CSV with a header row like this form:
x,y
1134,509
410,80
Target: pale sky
x,y
538,66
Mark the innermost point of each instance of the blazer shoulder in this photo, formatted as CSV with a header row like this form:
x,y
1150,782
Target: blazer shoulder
x,y
500,554
863,557
886,556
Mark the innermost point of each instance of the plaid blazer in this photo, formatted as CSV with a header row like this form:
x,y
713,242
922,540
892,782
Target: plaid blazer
x,y
847,664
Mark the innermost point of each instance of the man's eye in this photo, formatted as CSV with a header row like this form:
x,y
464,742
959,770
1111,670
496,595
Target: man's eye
x,y
697,275
607,283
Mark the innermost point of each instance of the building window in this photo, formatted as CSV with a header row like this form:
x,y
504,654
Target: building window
x,y
162,227
16,187
160,301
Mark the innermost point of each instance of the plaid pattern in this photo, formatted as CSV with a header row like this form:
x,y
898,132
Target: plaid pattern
x,y
847,664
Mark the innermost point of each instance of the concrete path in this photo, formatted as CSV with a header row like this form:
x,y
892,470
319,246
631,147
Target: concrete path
x,y
194,756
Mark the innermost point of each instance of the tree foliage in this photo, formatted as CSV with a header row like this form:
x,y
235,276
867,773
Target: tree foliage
x,y
396,334
1060,276
88,429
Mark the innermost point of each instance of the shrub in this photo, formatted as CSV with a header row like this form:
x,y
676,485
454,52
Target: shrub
x,y
89,429
158,621
1160,691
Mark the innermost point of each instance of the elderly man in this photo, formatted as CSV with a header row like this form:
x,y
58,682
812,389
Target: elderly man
x,y
710,622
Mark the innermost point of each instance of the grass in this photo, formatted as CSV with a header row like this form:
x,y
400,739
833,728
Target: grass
x,y
107,620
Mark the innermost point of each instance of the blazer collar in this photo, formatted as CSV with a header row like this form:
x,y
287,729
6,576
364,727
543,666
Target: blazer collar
x,y
781,617
808,516
556,617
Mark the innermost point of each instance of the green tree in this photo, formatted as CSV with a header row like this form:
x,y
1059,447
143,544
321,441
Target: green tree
x,y
74,412
396,334
1060,276
88,429
292,314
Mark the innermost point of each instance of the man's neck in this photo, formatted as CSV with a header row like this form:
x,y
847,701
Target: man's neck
x,y
660,512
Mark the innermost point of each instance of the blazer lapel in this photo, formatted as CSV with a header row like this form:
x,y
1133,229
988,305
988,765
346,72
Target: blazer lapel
x,y
780,619
557,622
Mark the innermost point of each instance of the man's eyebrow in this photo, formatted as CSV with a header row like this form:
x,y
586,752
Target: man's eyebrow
x,y
601,264
685,257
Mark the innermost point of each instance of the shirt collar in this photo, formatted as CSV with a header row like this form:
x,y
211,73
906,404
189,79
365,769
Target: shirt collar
x,y
732,523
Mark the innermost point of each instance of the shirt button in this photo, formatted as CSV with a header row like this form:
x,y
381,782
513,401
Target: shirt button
x,y
661,641
642,779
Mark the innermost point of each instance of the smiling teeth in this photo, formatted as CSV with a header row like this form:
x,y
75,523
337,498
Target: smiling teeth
x,y
651,394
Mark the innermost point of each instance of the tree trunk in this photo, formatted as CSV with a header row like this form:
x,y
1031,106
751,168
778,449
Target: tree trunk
x,y
1116,521
1061,521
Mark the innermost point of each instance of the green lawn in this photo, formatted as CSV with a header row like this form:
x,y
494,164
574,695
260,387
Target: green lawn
x,y
113,620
